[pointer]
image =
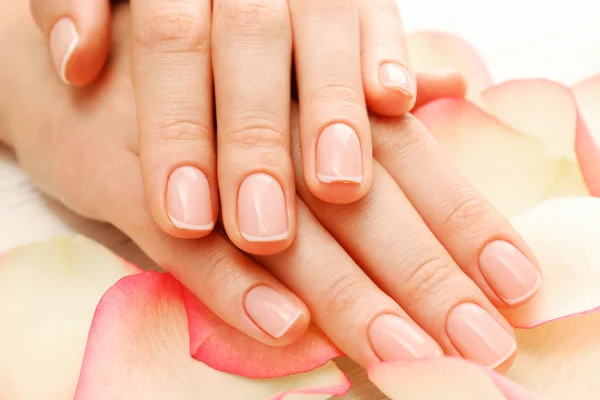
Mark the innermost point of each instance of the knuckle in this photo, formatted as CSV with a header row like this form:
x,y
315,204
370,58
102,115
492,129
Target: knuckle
x,y
345,295
338,91
466,211
260,131
431,275
178,26
218,273
184,131
252,18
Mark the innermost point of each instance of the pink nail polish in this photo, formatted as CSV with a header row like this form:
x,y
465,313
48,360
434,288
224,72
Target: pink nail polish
x,y
509,272
339,156
395,339
396,77
188,200
262,211
63,42
271,311
478,336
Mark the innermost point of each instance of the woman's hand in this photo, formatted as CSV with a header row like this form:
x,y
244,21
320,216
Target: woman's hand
x,y
347,54
413,268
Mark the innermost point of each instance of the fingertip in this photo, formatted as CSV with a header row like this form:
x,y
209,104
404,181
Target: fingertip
x,y
340,171
278,314
190,207
439,83
259,211
79,40
392,91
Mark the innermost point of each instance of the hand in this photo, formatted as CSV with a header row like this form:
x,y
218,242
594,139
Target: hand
x,y
347,54
385,279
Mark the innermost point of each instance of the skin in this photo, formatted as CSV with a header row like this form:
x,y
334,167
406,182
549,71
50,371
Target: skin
x,y
410,252
245,50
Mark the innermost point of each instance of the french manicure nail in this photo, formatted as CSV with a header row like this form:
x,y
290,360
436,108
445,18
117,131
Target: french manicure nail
x,y
395,76
395,339
509,272
339,156
262,210
478,336
270,310
63,42
188,200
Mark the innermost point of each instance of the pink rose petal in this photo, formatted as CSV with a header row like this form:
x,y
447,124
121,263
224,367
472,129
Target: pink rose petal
x,y
539,108
432,50
226,349
443,378
510,169
564,235
587,94
559,359
138,348
48,293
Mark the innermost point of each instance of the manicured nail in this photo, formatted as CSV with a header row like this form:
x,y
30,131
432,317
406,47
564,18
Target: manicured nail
x,y
63,42
478,336
270,310
262,210
339,157
188,200
509,272
395,76
394,339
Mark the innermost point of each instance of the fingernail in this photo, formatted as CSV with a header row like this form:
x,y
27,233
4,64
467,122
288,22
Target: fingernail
x,y
188,200
478,336
394,339
509,272
395,76
339,157
270,310
262,210
63,42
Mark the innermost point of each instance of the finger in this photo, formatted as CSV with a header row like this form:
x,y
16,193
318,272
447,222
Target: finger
x,y
389,240
252,62
172,78
389,81
362,321
78,34
482,241
438,84
335,132
235,288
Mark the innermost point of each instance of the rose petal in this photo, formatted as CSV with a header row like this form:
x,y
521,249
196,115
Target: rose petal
x,y
559,360
432,50
539,108
226,349
138,348
587,94
510,169
443,378
563,234
49,292
587,143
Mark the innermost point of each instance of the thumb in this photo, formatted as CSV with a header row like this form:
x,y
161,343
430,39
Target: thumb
x,y
78,34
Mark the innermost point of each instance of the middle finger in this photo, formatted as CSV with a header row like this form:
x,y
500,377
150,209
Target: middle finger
x,y
252,45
